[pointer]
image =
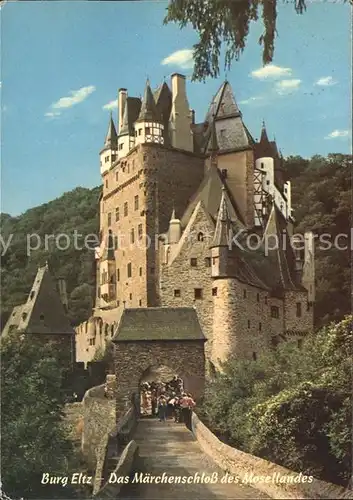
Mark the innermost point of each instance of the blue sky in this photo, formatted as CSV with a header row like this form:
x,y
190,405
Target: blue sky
x,y
63,62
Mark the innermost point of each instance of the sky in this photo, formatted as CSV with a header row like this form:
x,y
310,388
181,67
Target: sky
x,y
63,62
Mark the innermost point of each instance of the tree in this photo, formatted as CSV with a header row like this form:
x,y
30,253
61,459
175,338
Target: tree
x,y
225,22
32,402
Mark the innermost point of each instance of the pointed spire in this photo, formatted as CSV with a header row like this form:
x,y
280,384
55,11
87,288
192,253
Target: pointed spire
x,y
264,137
111,139
148,110
223,224
213,147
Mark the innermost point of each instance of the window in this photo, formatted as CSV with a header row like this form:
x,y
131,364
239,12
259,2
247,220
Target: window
x,y
106,159
200,237
117,214
258,297
140,271
254,356
106,183
118,275
132,236
214,260
274,312
139,231
268,183
222,132
244,294
113,157
147,130
177,293
126,209
198,293
214,292
248,323
41,317
109,219
121,146
130,296
262,165
208,261
116,243
299,309
140,302
266,300
129,270
193,262
116,176
24,316
140,131
136,202
32,295
260,327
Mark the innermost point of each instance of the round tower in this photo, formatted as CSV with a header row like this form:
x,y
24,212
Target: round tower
x,y
109,153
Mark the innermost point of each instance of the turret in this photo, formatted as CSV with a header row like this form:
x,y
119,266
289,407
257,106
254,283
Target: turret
x,y
109,153
181,116
148,126
174,229
221,241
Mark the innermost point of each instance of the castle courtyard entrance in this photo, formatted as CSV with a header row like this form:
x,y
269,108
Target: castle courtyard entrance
x,y
157,343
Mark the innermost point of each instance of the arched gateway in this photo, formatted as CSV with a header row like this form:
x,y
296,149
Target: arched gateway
x,y
158,336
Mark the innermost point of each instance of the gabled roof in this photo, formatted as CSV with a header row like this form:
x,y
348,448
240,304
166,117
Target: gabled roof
x,y
210,194
148,111
158,324
43,313
131,113
281,257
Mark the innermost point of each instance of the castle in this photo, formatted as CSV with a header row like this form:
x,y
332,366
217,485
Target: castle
x,y
188,216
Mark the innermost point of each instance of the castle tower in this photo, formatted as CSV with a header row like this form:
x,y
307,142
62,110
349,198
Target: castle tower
x,y
107,270
181,116
109,153
149,127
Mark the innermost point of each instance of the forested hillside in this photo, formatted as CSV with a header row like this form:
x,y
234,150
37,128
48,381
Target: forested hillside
x,y
321,195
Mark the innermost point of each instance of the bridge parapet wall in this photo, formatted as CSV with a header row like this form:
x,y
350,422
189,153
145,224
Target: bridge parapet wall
x,y
238,463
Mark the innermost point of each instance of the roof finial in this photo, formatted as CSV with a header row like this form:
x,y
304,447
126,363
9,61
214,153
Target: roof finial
x,y
263,123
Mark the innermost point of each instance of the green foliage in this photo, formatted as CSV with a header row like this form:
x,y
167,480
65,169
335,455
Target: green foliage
x,y
321,195
225,23
78,211
293,406
32,401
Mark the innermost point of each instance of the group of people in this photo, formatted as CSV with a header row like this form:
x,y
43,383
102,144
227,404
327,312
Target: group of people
x,y
167,400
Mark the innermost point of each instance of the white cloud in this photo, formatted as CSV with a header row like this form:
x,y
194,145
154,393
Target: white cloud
x,y
287,86
75,97
252,100
338,134
271,71
326,81
181,58
111,105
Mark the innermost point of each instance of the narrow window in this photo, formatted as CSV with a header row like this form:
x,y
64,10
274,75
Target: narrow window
x,y
139,230
260,327
248,323
177,293
24,316
214,260
208,261
198,293
126,209
244,294
214,292
132,235
258,297
200,237
116,176
118,275
140,271
106,183
274,312
116,243
266,299
129,270
193,262
32,295
41,317
140,302
299,309
140,131
130,296
109,219
136,202
117,214
254,356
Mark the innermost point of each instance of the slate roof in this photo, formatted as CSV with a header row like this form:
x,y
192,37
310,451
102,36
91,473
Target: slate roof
x,y
158,323
43,313
149,111
163,99
111,139
210,194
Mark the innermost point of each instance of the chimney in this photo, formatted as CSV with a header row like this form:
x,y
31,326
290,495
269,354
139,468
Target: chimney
x,y
178,85
180,117
63,293
122,96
